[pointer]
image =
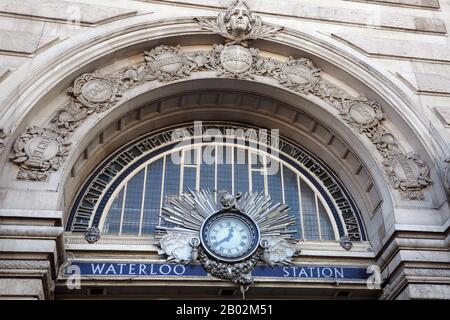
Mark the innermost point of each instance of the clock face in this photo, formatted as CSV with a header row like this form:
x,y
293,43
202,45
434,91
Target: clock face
x,y
230,236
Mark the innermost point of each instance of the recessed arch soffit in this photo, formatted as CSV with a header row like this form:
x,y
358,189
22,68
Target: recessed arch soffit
x,y
41,150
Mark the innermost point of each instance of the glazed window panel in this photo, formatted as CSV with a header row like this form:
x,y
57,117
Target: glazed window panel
x,y
241,181
112,223
291,195
208,168
309,211
224,168
133,204
152,199
137,207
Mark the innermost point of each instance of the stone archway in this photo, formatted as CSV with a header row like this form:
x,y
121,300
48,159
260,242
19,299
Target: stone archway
x,y
373,128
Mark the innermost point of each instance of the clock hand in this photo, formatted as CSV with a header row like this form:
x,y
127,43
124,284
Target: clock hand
x,y
228,237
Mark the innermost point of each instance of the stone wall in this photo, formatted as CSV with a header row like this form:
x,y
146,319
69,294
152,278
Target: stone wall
x,y
405,39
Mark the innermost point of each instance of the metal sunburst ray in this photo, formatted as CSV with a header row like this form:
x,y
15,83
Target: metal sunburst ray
x,y
181,240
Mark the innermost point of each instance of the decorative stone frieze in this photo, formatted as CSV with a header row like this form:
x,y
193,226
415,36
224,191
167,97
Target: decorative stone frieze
x,y
234,59
361,114
2,139
69,117
238,24
38,151
166,63
445,170
408,174
96,92
298,75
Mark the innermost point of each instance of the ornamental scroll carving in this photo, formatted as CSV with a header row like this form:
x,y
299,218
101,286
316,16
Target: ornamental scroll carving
x,y
94,93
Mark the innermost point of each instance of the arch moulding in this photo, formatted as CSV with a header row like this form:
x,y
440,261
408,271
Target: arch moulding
x,y
88,95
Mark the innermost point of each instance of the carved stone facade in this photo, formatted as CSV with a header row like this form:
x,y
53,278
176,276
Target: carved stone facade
x,y
373,105
94,93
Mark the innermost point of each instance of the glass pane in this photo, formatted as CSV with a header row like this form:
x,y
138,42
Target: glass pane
x,y
171,179
258,181
240,170
274,185
228,155
291,198
325,224
152,197
189,178
133,204
112,222
207,168
224,173
309,212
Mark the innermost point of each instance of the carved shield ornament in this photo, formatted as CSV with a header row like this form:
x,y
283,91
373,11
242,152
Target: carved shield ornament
x,y
95,92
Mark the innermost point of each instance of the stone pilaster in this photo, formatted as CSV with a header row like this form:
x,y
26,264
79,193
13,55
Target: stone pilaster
x,y
30,251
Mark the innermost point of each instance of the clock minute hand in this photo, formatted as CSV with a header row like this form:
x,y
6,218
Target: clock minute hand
x,y
229,236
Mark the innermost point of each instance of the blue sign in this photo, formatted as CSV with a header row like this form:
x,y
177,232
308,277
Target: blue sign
x,y
170,270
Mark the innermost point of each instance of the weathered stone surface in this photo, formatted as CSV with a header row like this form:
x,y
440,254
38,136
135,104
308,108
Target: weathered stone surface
x,y
444,114
61,10
337,14
23,42
3,73
413,3
437,83
434,83
415,50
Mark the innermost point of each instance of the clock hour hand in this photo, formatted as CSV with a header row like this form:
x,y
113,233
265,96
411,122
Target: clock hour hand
x,y
228,237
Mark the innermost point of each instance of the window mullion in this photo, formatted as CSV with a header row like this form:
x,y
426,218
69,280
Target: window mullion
x,y
141,219
198,167
123,208
162,189
250,172
232,169
181,172
318,216
282,182
300,207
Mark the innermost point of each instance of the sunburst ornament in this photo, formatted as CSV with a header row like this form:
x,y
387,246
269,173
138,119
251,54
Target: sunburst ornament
x,y
228,234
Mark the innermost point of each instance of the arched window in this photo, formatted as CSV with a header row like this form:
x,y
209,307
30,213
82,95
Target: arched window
x,y
127,191
135,207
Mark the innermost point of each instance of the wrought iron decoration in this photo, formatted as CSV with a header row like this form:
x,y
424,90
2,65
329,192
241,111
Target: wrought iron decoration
x,y
228,235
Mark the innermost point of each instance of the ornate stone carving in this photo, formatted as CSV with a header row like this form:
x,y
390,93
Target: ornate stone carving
x,y
237,272
184,241
408,174
92,235
361,113
177,247
37,151
278,251
238,24
445,169
384,141
2,139
69,117
96,92
167,63
234,61
346,243
298,75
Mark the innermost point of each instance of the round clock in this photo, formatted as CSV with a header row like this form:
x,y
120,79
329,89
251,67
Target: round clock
x,y
230,236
